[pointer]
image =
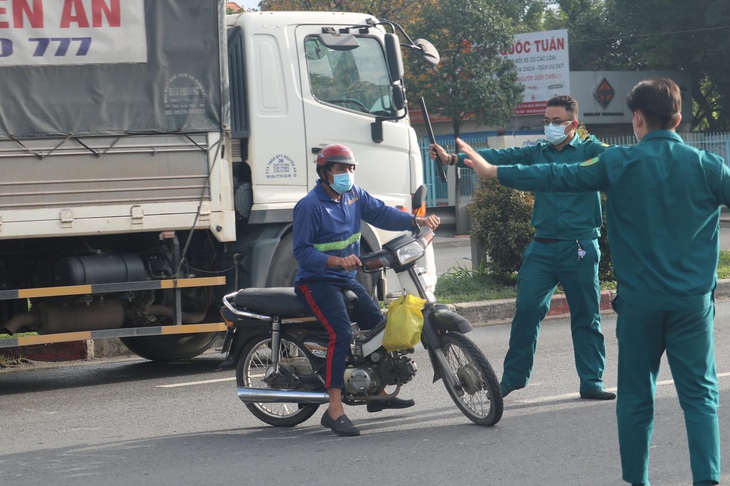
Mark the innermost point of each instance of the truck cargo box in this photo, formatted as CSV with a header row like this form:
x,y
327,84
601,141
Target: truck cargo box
x,y
113,118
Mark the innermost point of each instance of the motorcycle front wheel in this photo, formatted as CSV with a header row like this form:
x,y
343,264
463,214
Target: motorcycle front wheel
x,y
476,391
251,369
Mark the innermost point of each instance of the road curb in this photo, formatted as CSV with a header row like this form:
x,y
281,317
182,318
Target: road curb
x,y
491,312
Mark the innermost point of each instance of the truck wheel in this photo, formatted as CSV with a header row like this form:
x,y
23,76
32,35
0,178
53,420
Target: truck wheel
x,y
283,270
174,347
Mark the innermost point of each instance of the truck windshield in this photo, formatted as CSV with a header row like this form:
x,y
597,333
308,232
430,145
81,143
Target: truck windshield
x,y
355,80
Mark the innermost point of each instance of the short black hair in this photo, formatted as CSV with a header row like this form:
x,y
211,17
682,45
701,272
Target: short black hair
x,y
568,102
659,100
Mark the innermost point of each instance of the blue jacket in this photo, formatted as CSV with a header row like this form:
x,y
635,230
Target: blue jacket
x,y
324,227
663,202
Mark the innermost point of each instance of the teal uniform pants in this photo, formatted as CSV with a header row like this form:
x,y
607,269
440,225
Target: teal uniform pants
x,y
687,337
544,266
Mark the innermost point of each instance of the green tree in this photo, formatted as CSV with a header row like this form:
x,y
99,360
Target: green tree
x,y
654,35
689,36
474,79
501,226
592,34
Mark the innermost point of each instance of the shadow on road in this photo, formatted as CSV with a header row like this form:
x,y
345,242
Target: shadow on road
x,y
115,371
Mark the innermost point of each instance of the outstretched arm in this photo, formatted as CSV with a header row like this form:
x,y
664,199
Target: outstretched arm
x,y
584,177
476,162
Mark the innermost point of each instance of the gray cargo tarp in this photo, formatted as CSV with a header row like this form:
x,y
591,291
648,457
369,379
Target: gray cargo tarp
x,y
182,86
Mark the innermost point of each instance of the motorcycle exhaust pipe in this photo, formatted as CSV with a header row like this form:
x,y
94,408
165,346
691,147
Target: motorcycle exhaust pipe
x,y
268,395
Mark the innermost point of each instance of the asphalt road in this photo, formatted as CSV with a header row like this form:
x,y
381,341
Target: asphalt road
x,y
127,421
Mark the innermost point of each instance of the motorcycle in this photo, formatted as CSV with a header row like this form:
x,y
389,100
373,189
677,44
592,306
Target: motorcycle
x,y
280,348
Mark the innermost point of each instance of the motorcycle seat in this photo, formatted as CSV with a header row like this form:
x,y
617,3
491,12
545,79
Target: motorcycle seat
x,y
277,301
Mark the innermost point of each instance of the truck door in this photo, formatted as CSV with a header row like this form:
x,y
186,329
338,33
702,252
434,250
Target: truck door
x,y
343,92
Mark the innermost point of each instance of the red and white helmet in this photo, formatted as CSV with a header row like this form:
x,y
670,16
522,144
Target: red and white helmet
x,y
334,154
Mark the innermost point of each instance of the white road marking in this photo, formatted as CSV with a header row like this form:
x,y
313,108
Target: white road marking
x,y
533,400
573,395
193,383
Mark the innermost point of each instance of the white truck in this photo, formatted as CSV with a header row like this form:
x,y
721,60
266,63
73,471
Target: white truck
x,y
151,153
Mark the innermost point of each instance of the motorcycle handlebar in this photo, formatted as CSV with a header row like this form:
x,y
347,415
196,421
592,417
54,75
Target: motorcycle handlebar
x,y
375,262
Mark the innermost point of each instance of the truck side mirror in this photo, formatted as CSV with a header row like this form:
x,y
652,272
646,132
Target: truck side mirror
x,y
429,53
399,103
395,59
399,97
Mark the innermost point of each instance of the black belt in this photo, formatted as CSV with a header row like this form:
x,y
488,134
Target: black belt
x,y
546,240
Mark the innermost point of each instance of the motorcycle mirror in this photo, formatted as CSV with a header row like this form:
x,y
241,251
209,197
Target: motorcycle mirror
x,y
418,201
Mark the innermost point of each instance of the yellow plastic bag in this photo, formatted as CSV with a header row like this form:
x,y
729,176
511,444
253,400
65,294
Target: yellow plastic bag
x,y
405,323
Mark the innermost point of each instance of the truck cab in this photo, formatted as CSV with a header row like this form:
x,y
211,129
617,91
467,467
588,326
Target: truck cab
x,y
313,79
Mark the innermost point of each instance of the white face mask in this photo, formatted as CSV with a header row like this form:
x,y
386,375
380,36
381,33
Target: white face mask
x,y
555,134
341,183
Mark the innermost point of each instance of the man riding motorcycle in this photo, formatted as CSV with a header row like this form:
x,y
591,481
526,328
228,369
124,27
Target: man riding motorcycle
x,y
327,247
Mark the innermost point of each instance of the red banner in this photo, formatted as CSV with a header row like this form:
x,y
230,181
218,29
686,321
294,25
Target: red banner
x,y
531,108
417,117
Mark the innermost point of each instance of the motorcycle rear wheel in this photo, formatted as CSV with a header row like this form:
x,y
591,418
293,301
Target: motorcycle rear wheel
x,y
250,371
477,392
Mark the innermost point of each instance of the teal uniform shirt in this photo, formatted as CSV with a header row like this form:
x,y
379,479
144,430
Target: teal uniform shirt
x,y
557,215
662,214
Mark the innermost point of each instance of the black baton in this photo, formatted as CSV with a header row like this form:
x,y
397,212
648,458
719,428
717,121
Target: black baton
x,y
432,139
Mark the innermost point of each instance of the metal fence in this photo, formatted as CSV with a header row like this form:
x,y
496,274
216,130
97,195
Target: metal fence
x,y
444,194
718,143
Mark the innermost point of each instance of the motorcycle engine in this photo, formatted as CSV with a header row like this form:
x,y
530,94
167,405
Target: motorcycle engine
x,y
369,379
397,370
361,380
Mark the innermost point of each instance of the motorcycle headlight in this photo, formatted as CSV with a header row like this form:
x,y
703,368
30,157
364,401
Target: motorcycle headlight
x,y
409,253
